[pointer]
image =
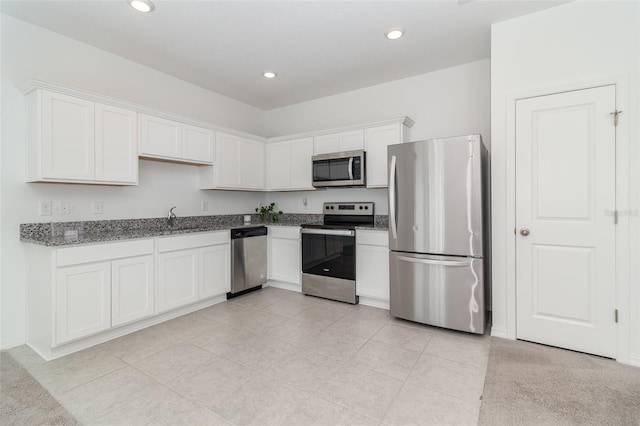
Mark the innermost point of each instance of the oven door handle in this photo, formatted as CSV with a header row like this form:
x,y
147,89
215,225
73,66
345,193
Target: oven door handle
x,y
339,232
351,168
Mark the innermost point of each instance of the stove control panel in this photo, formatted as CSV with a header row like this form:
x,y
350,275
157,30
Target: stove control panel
x,y
365,209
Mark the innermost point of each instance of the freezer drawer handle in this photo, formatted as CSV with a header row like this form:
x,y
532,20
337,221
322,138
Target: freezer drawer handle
x,y
329,232
434,262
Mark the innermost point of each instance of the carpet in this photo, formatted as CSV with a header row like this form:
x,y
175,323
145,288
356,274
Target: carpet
x,y
531,384
23,401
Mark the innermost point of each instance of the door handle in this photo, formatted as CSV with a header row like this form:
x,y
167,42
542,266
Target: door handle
x,y
525,232
392,198
351,168
434,262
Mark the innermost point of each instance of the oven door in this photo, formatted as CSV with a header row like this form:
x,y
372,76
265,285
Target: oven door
x,y
329,253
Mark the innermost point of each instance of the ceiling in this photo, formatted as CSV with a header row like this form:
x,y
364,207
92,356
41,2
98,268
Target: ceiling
x,y
318,48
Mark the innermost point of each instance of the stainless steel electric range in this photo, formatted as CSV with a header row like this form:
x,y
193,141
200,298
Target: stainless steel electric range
x,y
329,251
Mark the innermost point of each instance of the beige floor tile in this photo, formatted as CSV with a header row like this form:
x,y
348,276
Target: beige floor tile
x,y
161,406
257,321
212,382
141,344
462,381
264,400
66,373
189,326
369,312
174,361
289,307
101,396
26,356
336,345
360,389
319,316
319,412
224,312
355,324
387,359
416,405
345,308
295,332
259,299
306,370
222,339
411,338
462,350
258,352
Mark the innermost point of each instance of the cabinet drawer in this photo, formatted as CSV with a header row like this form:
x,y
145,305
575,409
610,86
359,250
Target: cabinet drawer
x,y
373,238
99,252
285,232
183,242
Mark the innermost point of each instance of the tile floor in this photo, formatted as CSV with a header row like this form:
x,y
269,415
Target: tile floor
x,y
273,357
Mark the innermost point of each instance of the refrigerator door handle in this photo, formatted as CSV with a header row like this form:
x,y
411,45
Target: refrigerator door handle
x,y
434,262
350,168
392,198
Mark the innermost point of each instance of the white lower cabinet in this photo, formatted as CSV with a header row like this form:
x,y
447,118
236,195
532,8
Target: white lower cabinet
x,y
83,301
372,267
285,261
132,289
215,271
177,279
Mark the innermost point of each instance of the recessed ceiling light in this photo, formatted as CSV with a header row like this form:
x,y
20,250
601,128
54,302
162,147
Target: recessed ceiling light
x,y
143,6
270,74
394,33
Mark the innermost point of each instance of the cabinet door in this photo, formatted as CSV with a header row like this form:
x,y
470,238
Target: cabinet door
x,y
284,259
372,271
227,166
377,140
132,289
116,144
252,170
215,270
301,153
279,166
83,301
177,279
160,137
351,141
197,144
67,150
326,143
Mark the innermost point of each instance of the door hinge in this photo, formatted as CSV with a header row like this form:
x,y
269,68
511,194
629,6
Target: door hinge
x,y
615,217
615,114
616,315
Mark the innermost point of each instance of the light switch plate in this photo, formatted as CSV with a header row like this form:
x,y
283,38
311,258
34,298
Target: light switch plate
x,y
45,208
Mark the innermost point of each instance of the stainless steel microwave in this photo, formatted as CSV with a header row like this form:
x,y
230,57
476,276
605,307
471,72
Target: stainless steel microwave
x,y
345,168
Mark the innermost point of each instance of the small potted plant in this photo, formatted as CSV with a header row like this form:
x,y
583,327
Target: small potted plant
x,y
268,213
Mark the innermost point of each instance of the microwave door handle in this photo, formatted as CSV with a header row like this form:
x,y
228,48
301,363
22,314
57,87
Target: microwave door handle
x,y
351,168
392,198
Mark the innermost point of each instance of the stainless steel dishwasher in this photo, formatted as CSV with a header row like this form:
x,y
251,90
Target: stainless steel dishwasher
x,y
248,259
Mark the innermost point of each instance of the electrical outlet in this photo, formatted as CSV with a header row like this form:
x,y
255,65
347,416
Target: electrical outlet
x,y
45,208
57,208
65,207
204,206
98,207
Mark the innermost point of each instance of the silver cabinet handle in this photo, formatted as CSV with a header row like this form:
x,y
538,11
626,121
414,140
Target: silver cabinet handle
x,y
392,198
434,262
351,168
525,232
339,232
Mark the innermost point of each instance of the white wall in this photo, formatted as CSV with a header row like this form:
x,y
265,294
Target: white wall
x,y
448,102
552,50
32,52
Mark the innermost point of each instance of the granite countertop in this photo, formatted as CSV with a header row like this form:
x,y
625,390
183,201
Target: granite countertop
x,y
52,234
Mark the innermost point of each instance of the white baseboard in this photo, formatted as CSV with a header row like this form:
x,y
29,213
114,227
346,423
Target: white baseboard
x,y
285,286
499,332
376,303
11,343
635,361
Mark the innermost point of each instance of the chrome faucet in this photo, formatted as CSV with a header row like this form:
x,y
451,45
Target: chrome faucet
x,y
171,218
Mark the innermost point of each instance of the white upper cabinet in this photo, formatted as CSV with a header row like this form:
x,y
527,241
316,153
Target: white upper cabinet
x,y
171,140
239,164
336,142
116,145
70,139
289,165
377,140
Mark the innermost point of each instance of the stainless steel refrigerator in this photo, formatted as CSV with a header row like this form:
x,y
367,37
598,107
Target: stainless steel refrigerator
x,y
439,249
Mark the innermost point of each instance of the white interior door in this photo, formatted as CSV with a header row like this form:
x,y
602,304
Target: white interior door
x,y
565,236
